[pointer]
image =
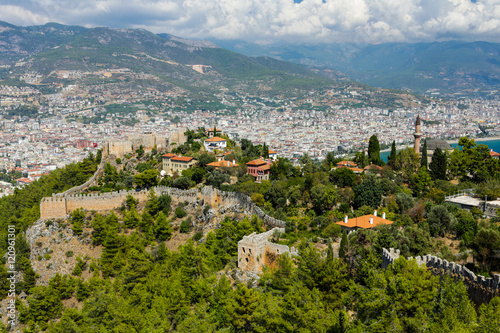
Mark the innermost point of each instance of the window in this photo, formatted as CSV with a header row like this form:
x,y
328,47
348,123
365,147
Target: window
x,y
246,260
250,251
243,249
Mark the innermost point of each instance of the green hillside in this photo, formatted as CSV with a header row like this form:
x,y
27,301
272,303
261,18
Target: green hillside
x,y
451,66
169,59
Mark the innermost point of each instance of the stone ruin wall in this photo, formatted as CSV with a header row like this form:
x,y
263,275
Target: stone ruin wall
x,y
481,289
120,148
255,251
59,206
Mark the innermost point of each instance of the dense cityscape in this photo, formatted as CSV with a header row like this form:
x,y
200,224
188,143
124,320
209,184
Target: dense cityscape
x,y
42,132
265,166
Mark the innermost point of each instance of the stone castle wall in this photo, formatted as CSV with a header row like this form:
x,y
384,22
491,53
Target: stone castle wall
x,y
59,206
480,289
120,148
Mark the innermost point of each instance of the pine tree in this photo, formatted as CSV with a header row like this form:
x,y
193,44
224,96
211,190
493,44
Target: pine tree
x,y
100,228
439,164
392,156
152,205
374,150
265,151
343,246
423,162
29,279
82,290
162,228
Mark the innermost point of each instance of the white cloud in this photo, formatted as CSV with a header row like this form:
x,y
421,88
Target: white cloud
x,y
366,21
20,16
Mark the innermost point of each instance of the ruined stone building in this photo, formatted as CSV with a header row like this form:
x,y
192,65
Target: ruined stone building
x,y
255,251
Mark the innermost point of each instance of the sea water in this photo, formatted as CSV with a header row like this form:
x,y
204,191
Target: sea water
x,y
492,144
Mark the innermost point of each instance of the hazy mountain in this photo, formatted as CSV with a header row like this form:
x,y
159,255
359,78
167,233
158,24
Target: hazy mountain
x,y
169,58
452,66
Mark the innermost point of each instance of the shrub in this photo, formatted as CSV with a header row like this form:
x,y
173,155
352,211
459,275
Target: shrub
x,y
69,253
198,236
180,212
185,226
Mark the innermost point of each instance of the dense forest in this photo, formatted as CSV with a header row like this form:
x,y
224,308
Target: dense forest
x,y
138,285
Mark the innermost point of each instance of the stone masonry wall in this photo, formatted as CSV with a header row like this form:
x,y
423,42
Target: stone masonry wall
x,y
255,251
61,205
481,289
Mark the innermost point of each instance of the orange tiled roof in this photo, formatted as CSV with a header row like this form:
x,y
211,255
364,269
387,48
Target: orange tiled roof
x,y
215,139
256,162
364,222
222,164
494,153
24,180
265,167
373,166
169,155
347,163
272,151
182,159
356,169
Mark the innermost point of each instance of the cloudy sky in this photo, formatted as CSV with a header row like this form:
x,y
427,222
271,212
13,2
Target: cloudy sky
x,y
267,21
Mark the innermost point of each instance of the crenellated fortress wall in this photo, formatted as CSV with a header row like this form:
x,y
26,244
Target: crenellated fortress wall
x,y
59,206
480,289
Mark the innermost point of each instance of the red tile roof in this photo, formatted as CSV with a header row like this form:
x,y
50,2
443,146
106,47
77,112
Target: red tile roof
x,y
169,155
182,159
218,164
346,163
215,139
364,222
256,162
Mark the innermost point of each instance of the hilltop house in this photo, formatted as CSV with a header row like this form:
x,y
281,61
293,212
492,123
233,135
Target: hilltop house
x,y
223,164
260,169
273,155
173,163
215,143
363,222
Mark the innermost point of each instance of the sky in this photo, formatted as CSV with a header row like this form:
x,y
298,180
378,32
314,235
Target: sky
x,y
275,21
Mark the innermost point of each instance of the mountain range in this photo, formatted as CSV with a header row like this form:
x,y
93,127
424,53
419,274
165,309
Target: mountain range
x,y
54,47
452,67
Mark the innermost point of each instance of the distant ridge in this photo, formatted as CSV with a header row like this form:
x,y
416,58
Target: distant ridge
x,y
450,66
167,58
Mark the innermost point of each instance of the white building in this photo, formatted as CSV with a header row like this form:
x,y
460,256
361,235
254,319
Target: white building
x,y
215,143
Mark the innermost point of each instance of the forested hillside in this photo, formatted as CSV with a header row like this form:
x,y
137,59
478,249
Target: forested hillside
x,y
336,284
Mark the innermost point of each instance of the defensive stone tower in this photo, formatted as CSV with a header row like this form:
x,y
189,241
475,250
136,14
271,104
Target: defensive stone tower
x,y
255,251
417,135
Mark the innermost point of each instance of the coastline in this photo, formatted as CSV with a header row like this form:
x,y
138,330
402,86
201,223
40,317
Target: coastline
x,y
454,141
488,138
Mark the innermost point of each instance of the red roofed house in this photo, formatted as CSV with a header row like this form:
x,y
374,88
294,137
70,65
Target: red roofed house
x,y
346,164
494,154
363,222
23,181
273,155
173,163
372,168
260,169
215,143
222,163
